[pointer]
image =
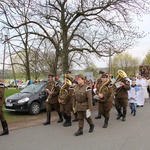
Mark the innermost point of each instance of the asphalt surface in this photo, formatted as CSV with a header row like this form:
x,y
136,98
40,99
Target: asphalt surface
x,y
133,134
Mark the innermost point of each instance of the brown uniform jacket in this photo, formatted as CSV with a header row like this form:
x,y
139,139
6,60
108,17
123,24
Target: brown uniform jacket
x,y
107,93
2,91
82,98
122,92
55,88
66,94
99,83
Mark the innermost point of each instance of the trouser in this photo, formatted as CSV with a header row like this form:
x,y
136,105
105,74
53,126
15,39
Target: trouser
x,y
133,106
49,107
66,109
2,118
105,108
81,116
121,103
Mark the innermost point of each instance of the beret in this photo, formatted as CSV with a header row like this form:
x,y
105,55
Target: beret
x,y
104,75
68,72
50,75
81,76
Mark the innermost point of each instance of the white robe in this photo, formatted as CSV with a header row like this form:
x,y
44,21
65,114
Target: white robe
x,y
140,96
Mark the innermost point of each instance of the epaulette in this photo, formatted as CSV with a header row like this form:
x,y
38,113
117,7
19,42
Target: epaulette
x,y
88,88
2,85
71,88
56,84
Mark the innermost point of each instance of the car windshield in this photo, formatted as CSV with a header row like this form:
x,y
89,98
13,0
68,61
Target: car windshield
x,y
33,88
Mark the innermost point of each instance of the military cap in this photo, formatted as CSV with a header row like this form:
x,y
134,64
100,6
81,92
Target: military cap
x,y
50,75
81,76
104,75
74,81
101,72
68,72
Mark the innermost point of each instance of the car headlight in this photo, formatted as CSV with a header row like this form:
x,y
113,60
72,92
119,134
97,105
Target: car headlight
x,y
23,100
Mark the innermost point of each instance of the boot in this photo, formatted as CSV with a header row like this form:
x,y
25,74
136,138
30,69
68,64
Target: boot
x,y
48,119
5,128
60,118
119,114
124,116
98,116
75,119
91,128
105,123
68,123
79,132
65,117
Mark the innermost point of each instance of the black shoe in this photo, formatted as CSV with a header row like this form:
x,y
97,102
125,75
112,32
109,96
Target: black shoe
x,y
60,120
134,114
75,120
5,128
105,125
91,128
119,116
67,124
131,111
98,117
46,123
79,132
123,118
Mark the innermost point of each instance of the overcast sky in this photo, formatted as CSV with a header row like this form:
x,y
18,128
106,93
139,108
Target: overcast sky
x,y
143,46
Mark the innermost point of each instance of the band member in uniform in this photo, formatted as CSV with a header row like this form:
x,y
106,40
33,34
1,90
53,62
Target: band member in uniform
x,y
2,118
65,100
83,102
121,94
99,82
74,84
105,101
52,89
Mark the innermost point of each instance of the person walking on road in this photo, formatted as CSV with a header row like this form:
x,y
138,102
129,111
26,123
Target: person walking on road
x,y
52,89
2,118
82,104
105,101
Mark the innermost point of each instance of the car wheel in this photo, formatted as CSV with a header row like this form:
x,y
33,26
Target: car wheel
x,y
34,108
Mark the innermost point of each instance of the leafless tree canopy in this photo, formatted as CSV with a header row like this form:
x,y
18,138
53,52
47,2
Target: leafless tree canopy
x,y
73,28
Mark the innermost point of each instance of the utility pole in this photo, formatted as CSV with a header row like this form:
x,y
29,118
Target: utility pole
x,y
12,63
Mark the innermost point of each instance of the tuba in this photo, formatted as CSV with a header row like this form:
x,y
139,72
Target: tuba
x,y
66,85
121,74
105,85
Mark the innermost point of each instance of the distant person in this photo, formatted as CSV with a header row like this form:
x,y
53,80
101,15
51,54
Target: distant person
x,y
141,83
2,118
132,96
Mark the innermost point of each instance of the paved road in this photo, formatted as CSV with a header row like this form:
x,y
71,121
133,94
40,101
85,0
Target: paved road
x,y
133,134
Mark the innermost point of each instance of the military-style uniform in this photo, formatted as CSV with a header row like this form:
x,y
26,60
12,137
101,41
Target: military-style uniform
x,y
99,83
105,103
83,102
121,99
52,101
2,118
65,100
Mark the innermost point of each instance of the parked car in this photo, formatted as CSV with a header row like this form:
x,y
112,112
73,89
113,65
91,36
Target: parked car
x,y
31,99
